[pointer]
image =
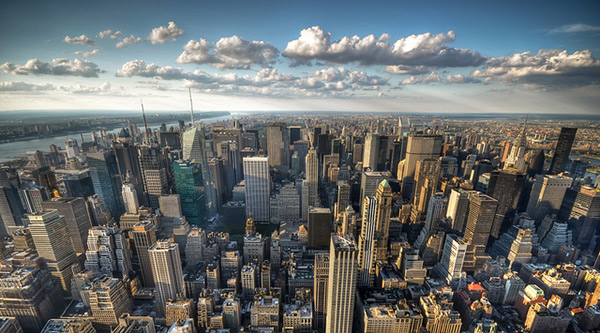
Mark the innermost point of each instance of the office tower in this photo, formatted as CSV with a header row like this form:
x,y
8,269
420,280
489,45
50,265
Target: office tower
x,y
520,249
11,210
370,152
22,240
32,197
265,276
278,145
248,281
144,236
536,160
130,198
295,133
108,252
154,173
419,147
258,187
427,175
505,186
343,276
10,325
128,163
319,227
213,275
516,157
31,296
439,316
285,206
547,195
512,286
562,151
189,186
450,266
558,235
50,235
254,249
301,147
76,217
109,299
585,215
232,313
104,172
141,324
72,148
193,248
310,188
217,170
98,213
78,183
167,273
343,197
69,325
370,181
384,213
482,210
357,153
265,313
179,310
320,289
434,213
298,316
458,207
366,243
231,264
44,177
411,266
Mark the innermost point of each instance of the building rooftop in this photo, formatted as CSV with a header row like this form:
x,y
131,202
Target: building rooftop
x,y
343,242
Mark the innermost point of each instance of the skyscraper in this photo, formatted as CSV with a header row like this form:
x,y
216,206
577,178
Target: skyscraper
x,y
76,216
167,273
104,172
420,147
427,175
343,277
128,163
108,252
320,289
371,151
366,243
310,187
51,237
278,145
319,227
505,186
458,207
384,213
370,181
482,211
258,187
450,267
194,150
563,150
144,236
191,190
130,198
154,172
109,299
516,158
547,195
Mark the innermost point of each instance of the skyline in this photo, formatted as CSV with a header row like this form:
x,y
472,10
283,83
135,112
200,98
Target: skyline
x,y
270,57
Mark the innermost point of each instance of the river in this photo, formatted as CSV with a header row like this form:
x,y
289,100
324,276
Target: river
x,y
16,149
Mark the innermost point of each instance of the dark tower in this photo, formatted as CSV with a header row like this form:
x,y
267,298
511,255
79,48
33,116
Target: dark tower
x,y
563,150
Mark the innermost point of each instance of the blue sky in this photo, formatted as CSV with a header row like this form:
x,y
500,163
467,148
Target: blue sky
x,y
471,56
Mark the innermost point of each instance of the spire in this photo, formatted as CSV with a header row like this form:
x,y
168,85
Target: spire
x,y
147,134
191,105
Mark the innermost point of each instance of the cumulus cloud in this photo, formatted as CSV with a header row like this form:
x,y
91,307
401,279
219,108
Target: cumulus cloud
x,y
460,78
547,67
337,82
229,52
577,27
87,54
407,70
83,39
425,79
23,86
60,66
109,34
79,89
161,34
415,50
129,40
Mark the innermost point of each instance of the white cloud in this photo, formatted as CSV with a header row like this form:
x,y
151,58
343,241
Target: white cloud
x,y
577,27
460,78
415,50
429,78
59,66
87,54
161,34
83,39
406,70
547,67
129,40
24,86
109,34
229,52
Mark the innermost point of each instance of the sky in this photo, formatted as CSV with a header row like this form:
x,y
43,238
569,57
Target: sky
x,y
418,56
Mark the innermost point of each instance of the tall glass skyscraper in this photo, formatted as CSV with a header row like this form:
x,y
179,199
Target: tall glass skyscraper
x,y
104,172
194,149
190,187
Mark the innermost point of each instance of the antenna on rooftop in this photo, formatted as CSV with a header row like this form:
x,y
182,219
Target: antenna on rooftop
x,y
191,105
145,123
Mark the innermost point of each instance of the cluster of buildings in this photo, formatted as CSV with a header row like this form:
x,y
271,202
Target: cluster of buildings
x,y
308,226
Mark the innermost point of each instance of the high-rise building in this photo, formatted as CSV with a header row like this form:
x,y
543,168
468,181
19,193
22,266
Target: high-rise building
x,y
109,299
547,195
370,152
179,309
130,198
154,173
343,277
458,208
482,210
51,237
370,181
167,273
189,186
320,289
411,266
248,281
11,209
193,246
10,325
232,313
265,313
31,296
505,186
32,197
319,227
563,150
258,187
310,187
194,150
366,243
450,267
439,316
104,172
343,197
584,217
278,145
516,159
434,213
76,217
144,236
108,252
384,214
427,175
419,147
129,164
